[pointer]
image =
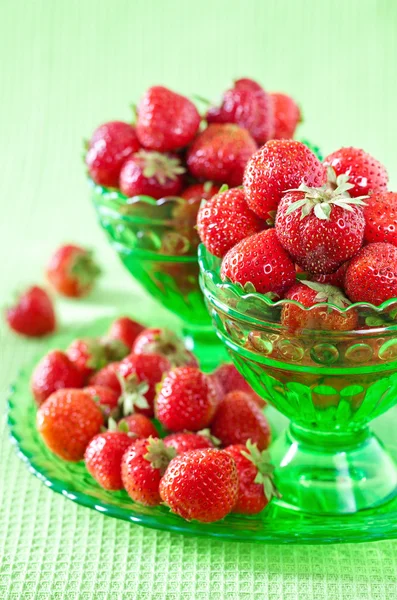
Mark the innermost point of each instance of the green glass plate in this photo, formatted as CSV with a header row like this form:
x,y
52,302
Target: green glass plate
x,y
275,524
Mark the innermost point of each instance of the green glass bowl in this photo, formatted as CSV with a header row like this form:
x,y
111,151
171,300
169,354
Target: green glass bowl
x,y
330,385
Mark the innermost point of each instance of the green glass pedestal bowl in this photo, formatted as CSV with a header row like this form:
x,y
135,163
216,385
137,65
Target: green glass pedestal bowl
x,y
157,243
330,385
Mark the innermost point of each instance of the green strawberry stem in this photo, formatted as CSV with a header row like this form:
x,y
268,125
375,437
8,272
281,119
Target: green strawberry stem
x,y
261,460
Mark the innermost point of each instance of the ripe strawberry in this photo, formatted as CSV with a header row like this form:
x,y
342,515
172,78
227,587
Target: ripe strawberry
x,y
142,467
107,377
166,342
372,274
322,227
138,426
67,421
54,372
200,191
110,146
225,220
166,120
310,293
139,374
239,419
365,172
106,398
186,399
286,116
103,458
231,380
33,314
337,278
260,260
248,105
220,153
255,475
183,441
125,330
72,271
88,355
381,218
151,174
201,485
279,166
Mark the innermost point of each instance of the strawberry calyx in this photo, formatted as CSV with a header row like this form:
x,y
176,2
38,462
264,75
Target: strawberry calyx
x,y
96,354
114,349
327,293
261,460
206,433
84,269
158,454
170,345
160,166
120,426
132,394
321,199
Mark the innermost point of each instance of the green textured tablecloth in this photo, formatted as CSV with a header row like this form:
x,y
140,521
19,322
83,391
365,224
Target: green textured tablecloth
x,y
66,65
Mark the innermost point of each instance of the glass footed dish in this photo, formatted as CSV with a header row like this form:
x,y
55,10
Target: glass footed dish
x,y
330,384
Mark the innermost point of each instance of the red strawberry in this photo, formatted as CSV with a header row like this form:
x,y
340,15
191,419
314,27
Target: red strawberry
x,y
200,191
279,166
201,485
183,441
103,458
255,475
54,372
164,341
140,373
231,380
337,279
365,172
106,398
372,274
286,116
88,355
186,399
138,426
67,422
248,105
33,315
72,271
310,293
125,330
381,218
239,419
225,220
110,146
142,467
107,377
322,227
220,153
166,120
260,260
151,174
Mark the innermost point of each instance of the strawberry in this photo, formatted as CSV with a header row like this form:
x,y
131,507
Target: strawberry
x,y
54,372
220,153
225,220
106,398
72,271
110,146
88,355
125,330
166,342
33,314
239,419
183,441
231,380
139,375
142,467
186,399
261,261
372,274
103,458
201,485
67,422
107,377
310,293
248,105
322,227
255,476
381,218
337,278
200,191
151,174
166,120
279,166
365,172
138,426
286,116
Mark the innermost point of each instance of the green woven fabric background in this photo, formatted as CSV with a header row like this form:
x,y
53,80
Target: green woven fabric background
x,y
65,66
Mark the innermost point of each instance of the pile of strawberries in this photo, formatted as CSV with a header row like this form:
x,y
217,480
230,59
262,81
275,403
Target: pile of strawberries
x,y
136,407
309,231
